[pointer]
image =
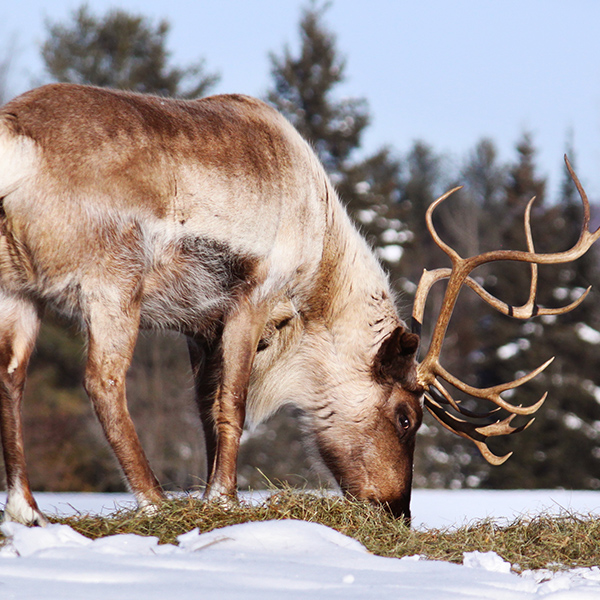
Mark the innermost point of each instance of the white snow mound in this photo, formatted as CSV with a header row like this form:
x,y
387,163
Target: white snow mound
x,y
297,537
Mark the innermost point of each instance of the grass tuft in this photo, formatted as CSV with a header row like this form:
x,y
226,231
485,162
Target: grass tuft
x,y
545,541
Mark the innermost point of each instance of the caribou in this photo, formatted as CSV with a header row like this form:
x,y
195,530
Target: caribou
x,y
214,218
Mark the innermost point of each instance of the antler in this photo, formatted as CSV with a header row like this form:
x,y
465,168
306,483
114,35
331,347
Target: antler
x,y
430,371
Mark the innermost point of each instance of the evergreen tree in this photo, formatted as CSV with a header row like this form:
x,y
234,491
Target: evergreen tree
x,y
465,222
523,182
302,91
119,50
420,187
485,348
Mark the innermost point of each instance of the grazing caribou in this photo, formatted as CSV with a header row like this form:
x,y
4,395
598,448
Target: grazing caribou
x,y
213,217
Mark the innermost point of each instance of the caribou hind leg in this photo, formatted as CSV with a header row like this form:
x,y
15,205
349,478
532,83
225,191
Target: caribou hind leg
x,y
112,333
19,325
206,364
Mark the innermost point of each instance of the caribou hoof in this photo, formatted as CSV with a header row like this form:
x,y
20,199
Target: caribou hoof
x,y
22,512
218,495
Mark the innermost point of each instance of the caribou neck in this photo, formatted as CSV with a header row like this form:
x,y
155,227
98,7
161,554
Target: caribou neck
x,y
360,302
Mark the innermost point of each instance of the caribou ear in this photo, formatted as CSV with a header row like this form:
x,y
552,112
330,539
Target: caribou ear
x,y
395,359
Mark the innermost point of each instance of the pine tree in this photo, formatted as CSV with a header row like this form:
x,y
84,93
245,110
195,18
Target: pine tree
x,y
485,348
119,50
421,185
465,222
302,91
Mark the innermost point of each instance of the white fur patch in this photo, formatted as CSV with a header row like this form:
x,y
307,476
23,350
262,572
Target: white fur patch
x,y
13,364
218,493
145,505
21,320
18,510
18,157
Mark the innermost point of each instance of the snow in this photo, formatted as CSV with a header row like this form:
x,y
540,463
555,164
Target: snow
x,y
587,334
507,351
512,348
391,253
593,389
281,559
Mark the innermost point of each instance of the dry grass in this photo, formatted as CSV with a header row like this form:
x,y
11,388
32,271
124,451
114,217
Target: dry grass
x,y
543,542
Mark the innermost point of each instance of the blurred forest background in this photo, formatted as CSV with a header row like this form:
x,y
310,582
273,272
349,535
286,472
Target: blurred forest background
x,y
387,193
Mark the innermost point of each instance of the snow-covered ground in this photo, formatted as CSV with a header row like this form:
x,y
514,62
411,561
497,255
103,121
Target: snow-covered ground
x,y
284,559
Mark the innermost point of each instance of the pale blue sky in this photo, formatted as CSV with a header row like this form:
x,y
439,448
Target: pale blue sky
x,y
448,72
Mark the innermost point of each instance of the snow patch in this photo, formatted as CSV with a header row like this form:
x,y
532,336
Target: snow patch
x,y
591,388
26,541
296,537
512,348
489,561
392,253
572,421
587,334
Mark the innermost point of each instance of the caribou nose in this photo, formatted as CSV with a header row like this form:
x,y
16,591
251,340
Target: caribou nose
x,y
400,508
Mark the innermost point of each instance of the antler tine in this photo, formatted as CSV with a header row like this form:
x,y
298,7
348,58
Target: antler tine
x,y
584,242
530,304
493,394
429,219
437,395
477,434
525,311
582,194
430,369
428,278
441,396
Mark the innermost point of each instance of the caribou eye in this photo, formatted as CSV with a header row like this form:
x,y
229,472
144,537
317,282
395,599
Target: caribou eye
x,y
283,323
403,422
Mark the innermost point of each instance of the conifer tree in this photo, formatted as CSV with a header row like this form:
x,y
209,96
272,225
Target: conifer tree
x,y
484,348
119,50
465,222
421,185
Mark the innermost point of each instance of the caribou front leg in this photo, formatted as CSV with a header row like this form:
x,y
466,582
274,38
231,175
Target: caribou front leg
x,y
241,333
112,335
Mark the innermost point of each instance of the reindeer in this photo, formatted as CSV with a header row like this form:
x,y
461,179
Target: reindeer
x,y
214,218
